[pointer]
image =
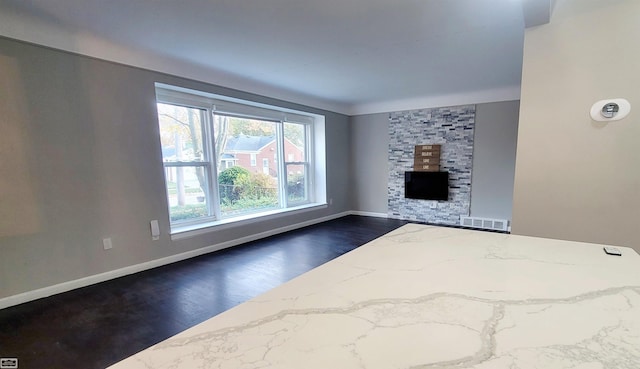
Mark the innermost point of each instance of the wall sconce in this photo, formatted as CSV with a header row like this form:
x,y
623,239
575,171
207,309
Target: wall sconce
x,y
610,110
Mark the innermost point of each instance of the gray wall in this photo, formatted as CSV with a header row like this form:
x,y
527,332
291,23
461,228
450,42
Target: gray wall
x,y
82,140
369,157
494,159
495,140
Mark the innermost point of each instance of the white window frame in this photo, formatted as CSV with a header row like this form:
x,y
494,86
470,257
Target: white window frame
x,y
207,165
254,159
306,164
212,104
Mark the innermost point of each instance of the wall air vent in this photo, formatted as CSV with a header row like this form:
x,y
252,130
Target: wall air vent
x,y
485,223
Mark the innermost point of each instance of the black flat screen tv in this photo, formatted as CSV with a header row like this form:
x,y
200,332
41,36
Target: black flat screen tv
x,y
426,185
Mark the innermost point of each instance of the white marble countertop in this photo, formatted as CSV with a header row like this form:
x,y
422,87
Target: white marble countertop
x,y
431,297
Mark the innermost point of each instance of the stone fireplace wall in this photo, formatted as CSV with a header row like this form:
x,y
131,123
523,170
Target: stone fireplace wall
x,y
451,127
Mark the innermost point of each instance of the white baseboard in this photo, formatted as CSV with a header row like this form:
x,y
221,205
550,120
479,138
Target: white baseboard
x,y
369,214
102,277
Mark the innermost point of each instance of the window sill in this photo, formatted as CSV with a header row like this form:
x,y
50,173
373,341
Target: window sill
x,y
192,230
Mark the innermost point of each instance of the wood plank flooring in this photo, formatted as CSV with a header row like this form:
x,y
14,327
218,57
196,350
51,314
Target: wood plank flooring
x,y
96,326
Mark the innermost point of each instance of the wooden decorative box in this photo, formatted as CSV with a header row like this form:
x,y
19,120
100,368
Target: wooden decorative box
x,y
427,158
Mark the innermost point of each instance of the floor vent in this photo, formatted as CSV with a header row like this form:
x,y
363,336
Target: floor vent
x,y
485,223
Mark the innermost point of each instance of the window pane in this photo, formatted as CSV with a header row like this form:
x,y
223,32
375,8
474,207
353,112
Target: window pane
x,y
297,174
181,133
220,136
186,189
247,187
297,183
294,142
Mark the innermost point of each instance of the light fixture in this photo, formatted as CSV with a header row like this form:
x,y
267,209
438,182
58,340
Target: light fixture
x,y
610,110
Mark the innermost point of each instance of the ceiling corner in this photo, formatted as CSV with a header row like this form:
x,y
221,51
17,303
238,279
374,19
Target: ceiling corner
x,y
537,12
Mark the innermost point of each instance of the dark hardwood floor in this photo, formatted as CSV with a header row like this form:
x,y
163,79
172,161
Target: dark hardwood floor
x,y
96,326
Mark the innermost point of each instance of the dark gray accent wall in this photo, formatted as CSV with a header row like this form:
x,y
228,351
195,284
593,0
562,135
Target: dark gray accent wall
x,y
82,137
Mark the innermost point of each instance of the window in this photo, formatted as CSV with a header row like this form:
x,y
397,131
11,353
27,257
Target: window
x,y
187,164
210,150
295,143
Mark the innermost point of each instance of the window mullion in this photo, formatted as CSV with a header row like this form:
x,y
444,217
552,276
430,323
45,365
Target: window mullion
x,y
282,173
310,168
214,195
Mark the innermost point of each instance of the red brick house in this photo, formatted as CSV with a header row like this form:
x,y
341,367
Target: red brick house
x,y
258,154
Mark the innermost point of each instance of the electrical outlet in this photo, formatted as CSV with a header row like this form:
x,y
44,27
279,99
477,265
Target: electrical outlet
x,y
106,243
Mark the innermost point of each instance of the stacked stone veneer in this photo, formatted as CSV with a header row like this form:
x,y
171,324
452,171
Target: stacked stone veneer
x,y
451,127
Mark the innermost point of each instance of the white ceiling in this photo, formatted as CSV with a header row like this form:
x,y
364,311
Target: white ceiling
x,y
349,56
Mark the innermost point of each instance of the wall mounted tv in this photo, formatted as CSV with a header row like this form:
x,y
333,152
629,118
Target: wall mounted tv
x,y
426,185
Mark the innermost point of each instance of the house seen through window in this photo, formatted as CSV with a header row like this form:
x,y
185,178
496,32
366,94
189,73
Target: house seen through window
x,y
224,159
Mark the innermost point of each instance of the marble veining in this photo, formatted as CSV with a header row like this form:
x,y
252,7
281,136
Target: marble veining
x,y
431,297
